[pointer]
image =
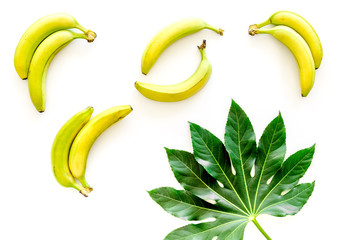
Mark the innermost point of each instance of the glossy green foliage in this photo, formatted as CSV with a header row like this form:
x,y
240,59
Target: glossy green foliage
x,y
227,185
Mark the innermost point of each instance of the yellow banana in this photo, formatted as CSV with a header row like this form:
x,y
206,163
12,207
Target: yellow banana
x,y
301,26
86,137
37,32
169,35
41,61
299,48
61,148
182,90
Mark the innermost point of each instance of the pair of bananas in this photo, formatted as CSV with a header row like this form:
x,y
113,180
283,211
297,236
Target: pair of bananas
x,y
73,142
39,45
163,39
300,38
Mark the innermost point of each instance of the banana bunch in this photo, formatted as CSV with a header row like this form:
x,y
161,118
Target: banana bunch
x,y
163,39
300,38
73,142
39,45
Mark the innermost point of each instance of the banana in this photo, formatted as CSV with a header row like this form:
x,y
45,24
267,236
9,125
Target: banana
x,y
169,35
299,48
301,26
61,148
37,32
41,61
86,137
182,90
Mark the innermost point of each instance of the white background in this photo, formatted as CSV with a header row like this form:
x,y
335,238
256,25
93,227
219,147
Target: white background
x,y
127,160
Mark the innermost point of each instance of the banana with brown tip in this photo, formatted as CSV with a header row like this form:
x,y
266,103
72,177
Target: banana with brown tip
x,y
169,35
89,133
37,32
299,48
41,61
61,148
182,90
301,26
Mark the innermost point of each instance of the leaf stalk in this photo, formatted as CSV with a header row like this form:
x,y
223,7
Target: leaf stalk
x,y
261,229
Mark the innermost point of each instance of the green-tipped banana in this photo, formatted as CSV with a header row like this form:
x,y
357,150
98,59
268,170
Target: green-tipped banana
x,y
299,48
61,149
182,90
37,32
169,35
89,133
300,25
41,61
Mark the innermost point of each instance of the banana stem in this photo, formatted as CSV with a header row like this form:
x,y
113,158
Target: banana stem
x,y
255,28
202,49
261,229
81,28
89,35
217,30
84,191
267,30
84,183
260,25
79,35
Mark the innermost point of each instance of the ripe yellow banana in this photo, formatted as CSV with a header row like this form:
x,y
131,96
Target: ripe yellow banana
x,y
169,35
301,26
41,61
299,48
37,32
182,90
61,148
86,137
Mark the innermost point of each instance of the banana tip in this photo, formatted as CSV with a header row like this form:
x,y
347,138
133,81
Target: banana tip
x,y
90,36
203,45
221,32
253,29
84,193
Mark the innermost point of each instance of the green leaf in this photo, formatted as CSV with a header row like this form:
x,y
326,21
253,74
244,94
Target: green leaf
x,y
228,185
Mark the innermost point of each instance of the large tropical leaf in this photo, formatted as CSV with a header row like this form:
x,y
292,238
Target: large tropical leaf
x,y
227,185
